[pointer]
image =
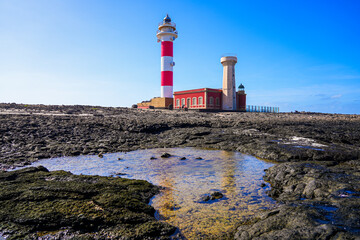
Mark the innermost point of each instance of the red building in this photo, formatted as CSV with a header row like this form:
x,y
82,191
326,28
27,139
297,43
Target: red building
x,y
203,98
207,98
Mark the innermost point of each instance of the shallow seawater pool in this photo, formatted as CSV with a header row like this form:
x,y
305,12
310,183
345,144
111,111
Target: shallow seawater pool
x,y
237,176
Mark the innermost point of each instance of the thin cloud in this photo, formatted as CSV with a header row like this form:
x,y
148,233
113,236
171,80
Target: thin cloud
x,y
336,96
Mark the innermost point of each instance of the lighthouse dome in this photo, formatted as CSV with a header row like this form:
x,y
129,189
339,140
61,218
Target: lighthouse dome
x,y
167,19
241,87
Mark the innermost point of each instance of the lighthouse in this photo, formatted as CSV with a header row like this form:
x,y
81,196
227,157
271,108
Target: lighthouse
x,y
166,35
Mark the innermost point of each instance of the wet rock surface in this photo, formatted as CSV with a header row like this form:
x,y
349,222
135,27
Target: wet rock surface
x,y
290,222
211,197
321,201
165,155
38,204
317,178
314,181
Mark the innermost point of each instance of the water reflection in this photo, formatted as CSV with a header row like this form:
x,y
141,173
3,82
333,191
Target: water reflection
x,y
228,181
238,177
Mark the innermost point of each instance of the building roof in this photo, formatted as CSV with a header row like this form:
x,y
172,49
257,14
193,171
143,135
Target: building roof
x,y
198,90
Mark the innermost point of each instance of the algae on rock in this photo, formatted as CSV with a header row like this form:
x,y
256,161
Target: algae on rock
x,y
36,203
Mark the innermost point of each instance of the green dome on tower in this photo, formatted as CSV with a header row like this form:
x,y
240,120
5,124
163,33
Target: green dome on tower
x,y
241,87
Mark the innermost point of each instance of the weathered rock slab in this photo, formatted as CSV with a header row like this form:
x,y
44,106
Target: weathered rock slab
x,y
38,204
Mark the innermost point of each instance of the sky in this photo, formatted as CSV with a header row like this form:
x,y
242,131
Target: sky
x,y
295,55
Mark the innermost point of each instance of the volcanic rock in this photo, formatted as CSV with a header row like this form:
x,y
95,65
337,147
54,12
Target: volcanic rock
x,y
35,202
165,155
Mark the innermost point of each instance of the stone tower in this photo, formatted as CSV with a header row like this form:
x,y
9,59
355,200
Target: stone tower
x,y
229,89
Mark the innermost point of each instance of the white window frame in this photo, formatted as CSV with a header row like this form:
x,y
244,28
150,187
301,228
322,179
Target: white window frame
x,y
201,102
183,102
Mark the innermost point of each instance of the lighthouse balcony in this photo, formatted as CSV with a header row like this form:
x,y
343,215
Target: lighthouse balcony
x,y
163,31
166,24
173,35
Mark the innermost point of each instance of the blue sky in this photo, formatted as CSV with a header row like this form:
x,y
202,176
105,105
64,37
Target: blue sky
x,y
297,55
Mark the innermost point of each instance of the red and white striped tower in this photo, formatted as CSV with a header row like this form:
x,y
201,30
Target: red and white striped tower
x,y
166,35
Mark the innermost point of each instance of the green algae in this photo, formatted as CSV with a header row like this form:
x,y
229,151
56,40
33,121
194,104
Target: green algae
x,y
35,202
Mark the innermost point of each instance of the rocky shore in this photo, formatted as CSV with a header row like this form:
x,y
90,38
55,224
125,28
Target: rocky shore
x,y
317,178
38,204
